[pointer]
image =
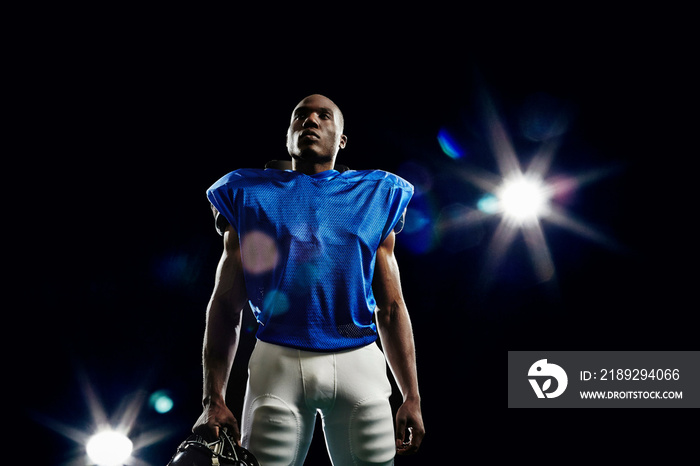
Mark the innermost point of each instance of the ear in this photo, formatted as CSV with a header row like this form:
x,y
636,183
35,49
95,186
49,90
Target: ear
x,y
343,141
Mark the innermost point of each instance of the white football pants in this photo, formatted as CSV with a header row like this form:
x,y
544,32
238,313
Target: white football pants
x,y
350,389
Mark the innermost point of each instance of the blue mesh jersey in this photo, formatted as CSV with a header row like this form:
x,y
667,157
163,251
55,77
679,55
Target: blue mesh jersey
x,y
308,246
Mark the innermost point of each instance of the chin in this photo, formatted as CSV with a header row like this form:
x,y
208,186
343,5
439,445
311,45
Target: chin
x,y
309,155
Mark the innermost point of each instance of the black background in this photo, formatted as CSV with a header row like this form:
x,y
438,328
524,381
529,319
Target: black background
x,y
127,117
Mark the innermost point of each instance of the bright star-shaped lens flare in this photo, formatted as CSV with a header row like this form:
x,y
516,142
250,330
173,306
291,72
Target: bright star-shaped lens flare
x,y
109,440
109,448
523,199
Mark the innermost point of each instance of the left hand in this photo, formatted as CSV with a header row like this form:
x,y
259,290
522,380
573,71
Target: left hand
x,y
409,418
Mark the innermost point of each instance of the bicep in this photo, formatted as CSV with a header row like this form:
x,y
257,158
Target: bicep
x,y
386,283
230,283
220,221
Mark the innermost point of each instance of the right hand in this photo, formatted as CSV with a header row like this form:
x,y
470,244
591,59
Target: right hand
x,y
215,417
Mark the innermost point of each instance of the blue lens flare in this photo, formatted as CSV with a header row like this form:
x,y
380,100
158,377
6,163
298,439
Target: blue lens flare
x,y
449,145
419,235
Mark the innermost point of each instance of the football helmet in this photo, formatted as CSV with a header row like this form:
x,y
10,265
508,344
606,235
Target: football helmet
x,y
195,451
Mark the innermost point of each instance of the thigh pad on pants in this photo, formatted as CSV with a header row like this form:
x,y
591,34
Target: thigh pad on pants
x,y
372,432
275,436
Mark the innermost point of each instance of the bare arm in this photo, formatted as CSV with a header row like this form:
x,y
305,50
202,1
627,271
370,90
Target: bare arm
x,y
221,340
396,333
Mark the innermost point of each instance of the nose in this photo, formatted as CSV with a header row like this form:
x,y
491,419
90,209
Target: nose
x,y
310,121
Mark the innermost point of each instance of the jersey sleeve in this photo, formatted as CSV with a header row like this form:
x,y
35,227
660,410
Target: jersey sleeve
x,y
399,225
223,197
399,197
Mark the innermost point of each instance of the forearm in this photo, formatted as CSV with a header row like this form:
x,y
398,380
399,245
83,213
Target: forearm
x,y
224,315
219,351
396,333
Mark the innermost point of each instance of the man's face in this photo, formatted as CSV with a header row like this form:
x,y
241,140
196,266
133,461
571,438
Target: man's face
x,y
316,130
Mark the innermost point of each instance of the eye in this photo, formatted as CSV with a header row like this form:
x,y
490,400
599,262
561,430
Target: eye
x,y
326,116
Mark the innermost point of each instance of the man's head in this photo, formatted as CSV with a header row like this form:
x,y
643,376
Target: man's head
x,y
315,131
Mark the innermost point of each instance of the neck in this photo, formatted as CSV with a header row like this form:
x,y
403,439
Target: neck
x,y
311,167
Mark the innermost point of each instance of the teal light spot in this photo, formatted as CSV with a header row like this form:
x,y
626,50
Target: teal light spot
x,y
161,402
488,204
